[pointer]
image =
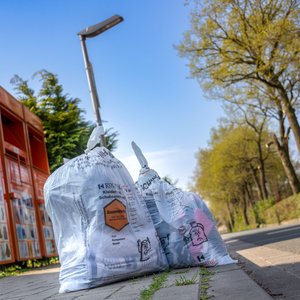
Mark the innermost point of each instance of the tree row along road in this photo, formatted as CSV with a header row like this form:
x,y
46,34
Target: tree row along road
x,y
271,257
246,54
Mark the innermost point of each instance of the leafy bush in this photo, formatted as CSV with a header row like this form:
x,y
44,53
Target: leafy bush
x,y
21,267
284,210
259,210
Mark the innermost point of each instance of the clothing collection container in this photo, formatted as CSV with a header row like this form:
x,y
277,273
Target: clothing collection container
x,y
25,228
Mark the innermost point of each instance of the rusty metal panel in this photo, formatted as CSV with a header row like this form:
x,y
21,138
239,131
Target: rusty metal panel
x,y
9,102
24,215
48,234
38,150
25,228
32,119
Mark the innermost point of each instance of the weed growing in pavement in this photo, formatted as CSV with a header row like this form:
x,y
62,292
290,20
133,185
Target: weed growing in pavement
x,y
157,283
205,276
186,281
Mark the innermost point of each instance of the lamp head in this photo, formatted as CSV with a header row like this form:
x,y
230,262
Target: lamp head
x,y
97,29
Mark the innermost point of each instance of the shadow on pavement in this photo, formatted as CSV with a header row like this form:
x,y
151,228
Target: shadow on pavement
x,y
280,281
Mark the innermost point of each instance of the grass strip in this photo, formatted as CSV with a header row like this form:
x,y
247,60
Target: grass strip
x,y
205,276
186,281
156,284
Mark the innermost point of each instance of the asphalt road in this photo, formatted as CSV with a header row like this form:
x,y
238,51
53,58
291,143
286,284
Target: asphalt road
x,y
271,257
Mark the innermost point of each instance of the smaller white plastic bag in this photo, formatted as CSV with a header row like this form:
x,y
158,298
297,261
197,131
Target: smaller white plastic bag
x,y
184,224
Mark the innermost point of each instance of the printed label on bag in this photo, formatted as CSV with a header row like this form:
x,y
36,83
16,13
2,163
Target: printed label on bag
x,y
144,248
115,215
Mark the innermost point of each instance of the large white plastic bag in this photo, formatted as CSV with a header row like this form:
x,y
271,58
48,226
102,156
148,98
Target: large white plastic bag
x,y
102,228
184,224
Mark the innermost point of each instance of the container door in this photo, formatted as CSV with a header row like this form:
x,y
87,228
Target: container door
x,y
6,255
40,174
39,180
24,216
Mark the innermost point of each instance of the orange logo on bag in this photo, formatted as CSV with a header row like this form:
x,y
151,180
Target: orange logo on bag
x,y
115,215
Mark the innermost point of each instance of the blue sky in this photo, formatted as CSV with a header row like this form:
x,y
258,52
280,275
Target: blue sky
x,y
143,84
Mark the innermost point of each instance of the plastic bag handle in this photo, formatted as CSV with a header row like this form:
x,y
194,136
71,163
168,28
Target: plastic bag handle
x,y
139,154
95,138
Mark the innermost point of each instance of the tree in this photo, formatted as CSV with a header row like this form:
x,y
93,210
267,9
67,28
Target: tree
x,y
257,102
65,129
226,172
111,140
234,42
222,172
257,124
281,145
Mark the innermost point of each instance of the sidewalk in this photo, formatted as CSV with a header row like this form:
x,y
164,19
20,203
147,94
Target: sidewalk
x,y
230,282
226,282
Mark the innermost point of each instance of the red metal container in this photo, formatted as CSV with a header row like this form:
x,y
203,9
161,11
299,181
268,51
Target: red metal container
x,y
25,228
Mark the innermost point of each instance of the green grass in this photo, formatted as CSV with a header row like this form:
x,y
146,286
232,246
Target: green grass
x,y
205,276
269,212
156,284
186,281
284,210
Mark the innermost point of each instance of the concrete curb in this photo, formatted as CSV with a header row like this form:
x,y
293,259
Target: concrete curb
x,y
230,282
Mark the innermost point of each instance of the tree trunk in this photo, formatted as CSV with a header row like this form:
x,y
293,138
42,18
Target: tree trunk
x,y
229,226
288,109
231,216
259,189
249,193
246,220
287,165
278,192
262,173
291,116
263,185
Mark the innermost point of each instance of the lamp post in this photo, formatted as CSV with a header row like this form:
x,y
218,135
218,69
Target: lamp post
x,y
91,32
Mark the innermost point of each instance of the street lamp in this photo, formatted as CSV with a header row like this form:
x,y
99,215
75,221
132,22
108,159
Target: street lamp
x,y
91,32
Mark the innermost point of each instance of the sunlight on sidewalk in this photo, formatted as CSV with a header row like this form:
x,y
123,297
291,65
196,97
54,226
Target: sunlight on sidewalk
x,y
264,256
38,272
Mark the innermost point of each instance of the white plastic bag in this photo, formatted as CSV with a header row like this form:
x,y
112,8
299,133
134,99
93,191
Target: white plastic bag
x,y
102,227
184,224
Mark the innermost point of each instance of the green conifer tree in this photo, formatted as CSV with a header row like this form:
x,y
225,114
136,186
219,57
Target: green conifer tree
x,y
65,129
